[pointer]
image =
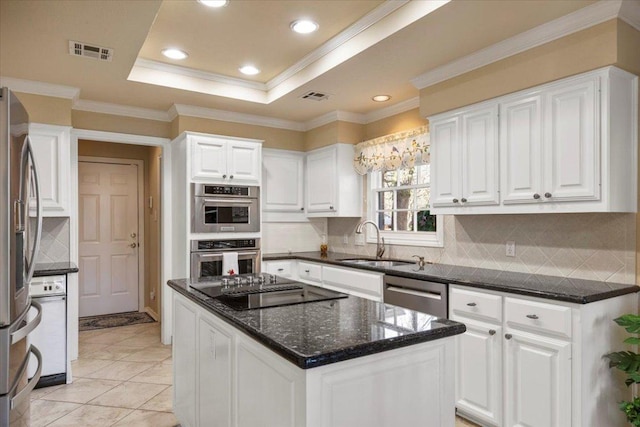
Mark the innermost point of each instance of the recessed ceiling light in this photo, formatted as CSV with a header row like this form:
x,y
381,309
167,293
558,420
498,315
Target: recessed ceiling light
x,y
249,70
304,26
381,98
174,53
214,3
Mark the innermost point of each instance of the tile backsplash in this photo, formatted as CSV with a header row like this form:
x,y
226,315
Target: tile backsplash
x,y
282,237
54,246
596,246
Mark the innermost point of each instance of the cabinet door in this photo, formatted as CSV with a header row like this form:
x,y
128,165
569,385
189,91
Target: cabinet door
x,y
445,166
52,149
184,361
321,180
214,375
282,181
280,268
208,158
479,371
243,162
537,380
521,148
480,157
572,142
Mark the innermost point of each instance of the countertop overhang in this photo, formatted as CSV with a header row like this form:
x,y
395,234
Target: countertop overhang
x,y
54,269
578,291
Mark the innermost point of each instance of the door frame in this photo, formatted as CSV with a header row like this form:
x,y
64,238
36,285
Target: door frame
x,y
141,222
165,236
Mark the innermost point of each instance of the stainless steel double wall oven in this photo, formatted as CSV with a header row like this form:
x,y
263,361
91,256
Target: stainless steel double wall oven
x,y
19,241
206,256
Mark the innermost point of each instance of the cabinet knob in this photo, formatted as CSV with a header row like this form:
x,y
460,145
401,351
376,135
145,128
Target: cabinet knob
x,y
532,316
331,207
508,336
547,195
230,176
463,200
301,209
471,304
306,271
455,200
492,331
536,196
224,176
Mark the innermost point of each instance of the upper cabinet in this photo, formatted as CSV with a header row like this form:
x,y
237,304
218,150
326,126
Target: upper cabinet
x,y
282,185
52,151
567,146
224,159
333,188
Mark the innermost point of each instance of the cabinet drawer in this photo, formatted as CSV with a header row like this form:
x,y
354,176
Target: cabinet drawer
x,y
280,268
309,271
537,316
475,304
353,282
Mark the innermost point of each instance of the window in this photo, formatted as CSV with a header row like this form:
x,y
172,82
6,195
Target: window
x,y
399,204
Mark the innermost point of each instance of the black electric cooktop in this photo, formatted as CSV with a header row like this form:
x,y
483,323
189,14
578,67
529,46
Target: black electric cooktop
x,y
252,291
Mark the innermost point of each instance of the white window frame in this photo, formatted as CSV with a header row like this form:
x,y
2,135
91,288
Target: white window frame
x,y
407,238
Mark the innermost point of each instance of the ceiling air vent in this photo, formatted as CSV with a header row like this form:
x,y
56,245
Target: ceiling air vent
x,y
316,96
89,51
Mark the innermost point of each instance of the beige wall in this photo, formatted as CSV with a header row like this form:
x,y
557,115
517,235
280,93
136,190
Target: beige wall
x,y
273,138
321,136
350,133
120,124
579,52
404,121
46,109
149,155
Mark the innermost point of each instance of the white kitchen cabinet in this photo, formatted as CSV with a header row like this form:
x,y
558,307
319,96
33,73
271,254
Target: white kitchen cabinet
x,y
464,150
224,159
364,284
526,361
566,146
184,361
282,185
214,373
310,272
284,268
333,188
52,151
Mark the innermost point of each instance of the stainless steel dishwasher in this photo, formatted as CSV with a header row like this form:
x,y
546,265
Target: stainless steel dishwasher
x,y
420,295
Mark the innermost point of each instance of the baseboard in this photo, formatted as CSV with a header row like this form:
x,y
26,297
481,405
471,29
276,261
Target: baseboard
x,y
152,313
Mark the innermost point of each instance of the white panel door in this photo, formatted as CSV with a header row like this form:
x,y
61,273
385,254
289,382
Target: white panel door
x,y
214,375
321,180
282,181
572,142
208,158
108,242
521,148
446,162
243,162
479,370
479,145
537,380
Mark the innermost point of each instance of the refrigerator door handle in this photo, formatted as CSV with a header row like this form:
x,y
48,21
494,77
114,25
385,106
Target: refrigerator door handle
x,y
30,326
31,384
36,245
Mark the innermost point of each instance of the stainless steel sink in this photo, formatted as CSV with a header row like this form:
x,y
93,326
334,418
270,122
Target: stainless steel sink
x,y
380,263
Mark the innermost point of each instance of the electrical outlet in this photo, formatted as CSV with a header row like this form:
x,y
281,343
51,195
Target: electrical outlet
x,y
511,248
345,239
359,239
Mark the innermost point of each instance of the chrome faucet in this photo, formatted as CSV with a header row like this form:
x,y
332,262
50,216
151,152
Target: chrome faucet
x,y
379,241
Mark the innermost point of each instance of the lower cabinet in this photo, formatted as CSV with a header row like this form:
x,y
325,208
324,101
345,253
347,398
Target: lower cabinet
x,y
185,318
537,363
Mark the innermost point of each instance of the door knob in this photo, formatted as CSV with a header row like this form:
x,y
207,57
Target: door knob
x,y
133,235
133,245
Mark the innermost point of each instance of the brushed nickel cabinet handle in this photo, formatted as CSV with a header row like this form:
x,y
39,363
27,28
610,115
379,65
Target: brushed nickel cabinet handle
x,y
532,316
471,304
306,271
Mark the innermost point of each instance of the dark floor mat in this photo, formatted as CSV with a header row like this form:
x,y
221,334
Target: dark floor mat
x,y
114,320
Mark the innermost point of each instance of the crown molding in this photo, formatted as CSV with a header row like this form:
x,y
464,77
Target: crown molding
x,y
392,110
40,88
579,20
350,32
229,116
121,110
630,13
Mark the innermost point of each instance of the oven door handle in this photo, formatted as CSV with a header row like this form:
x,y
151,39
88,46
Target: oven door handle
x,y
229,202
219,255
422,294
30,326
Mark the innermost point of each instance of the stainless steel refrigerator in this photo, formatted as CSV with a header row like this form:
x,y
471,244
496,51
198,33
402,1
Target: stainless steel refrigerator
x,y
19,243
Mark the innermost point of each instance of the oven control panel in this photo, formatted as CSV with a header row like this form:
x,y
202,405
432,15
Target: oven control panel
x,y
48,285
224,245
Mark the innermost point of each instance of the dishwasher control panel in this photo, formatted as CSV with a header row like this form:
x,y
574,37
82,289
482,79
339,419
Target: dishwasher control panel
x,y
48,286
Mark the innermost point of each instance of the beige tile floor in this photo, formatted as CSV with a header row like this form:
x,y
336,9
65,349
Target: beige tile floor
x,y
122,377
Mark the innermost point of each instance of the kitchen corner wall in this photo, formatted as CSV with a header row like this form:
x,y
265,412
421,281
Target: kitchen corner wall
x,y
595,246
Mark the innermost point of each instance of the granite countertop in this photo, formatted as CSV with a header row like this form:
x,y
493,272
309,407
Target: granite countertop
x,y
54,268
319,333
577,291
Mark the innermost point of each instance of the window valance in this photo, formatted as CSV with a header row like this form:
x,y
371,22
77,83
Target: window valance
x,y
391,152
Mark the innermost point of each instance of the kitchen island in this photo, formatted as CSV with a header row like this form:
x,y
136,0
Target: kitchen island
x,y
341,362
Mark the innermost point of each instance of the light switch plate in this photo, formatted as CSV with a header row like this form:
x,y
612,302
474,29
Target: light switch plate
x,y
359,239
